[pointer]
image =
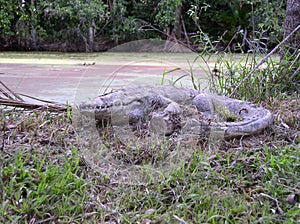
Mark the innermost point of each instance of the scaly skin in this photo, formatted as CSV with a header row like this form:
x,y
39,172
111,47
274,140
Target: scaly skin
x,y
162,107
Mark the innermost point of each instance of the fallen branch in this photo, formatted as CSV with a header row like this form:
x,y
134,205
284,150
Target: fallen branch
x,y
8,91
12,99
27,105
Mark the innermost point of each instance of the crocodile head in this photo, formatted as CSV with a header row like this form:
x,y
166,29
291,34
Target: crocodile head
x,y
116,108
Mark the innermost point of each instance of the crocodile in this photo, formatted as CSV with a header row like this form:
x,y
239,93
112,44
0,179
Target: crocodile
x,y
169,109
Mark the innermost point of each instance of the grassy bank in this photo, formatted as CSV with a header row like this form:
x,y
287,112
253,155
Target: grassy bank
x,y
45,179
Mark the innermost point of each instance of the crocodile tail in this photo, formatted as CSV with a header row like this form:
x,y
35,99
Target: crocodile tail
x,y
248,126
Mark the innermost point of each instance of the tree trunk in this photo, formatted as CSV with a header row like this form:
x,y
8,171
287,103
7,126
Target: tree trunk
x,y
174,30
113,8
32,23
178,25
110,4
91,38
292,20
290,52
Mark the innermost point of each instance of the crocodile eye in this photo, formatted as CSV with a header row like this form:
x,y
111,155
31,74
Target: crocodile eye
x,y
98,107
243,110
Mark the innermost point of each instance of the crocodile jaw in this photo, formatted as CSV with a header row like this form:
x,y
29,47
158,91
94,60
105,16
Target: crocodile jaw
x,y
98,110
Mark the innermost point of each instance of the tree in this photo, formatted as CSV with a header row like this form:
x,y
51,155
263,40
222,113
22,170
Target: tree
x,y
75,22
292,20
291,52
169,18
12,16
88,25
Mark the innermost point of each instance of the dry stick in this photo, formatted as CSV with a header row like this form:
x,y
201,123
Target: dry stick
x,y
15,95
295,73
264,59
38,99
27,105
19,102
5,94
185,33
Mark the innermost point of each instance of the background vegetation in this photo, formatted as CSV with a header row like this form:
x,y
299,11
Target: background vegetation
x,y
85,25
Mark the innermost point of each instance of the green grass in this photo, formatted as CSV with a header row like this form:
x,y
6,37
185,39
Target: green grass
x,y
241,79
213,191
32,189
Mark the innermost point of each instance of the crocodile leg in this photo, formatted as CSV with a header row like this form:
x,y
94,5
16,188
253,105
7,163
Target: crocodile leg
x,y
167,121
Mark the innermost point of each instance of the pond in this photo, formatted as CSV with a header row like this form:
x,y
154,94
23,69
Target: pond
x,y
75,77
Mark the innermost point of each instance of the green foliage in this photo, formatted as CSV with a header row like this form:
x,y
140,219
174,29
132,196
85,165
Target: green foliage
x,y
49,21
123,25
166,13
271,79
63,16
231,71
10,12
268,18
230,23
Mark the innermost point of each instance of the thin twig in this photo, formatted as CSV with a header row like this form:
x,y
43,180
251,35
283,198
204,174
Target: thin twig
x,y
5,94
46,220
295,73
38,99
27,105
9,90
15,100
264,59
